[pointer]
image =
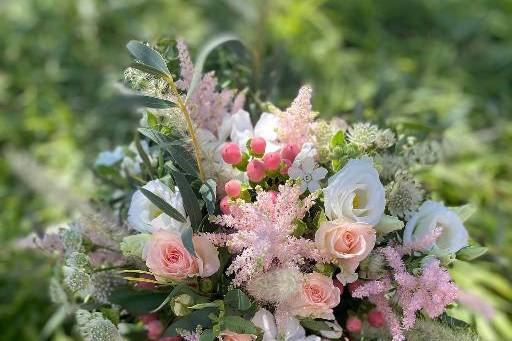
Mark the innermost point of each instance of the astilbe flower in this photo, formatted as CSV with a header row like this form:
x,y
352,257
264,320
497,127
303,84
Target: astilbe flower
x,y
296,122
430,292
263,233
207,106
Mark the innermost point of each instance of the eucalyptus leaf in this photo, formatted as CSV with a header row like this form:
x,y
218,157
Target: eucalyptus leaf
x,y
144,157
189,199
211,45
208,192
191,321
314,325
163,205
147,56
238,300
240,325
186,238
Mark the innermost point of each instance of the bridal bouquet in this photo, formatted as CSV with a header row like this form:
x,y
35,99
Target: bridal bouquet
x,y
293,228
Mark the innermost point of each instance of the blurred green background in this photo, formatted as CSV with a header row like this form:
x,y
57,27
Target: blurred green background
x,y
439,68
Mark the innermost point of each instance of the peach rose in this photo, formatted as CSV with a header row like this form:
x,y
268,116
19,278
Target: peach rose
x,y
316,298
207,256
228,335
347,243
167,257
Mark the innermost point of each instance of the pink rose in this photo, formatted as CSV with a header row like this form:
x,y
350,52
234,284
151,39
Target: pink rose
x,y
227,335
207,256
167,257
347,243
316,298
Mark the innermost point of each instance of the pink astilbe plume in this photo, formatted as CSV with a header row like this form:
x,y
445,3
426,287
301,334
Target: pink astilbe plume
x,y
296,122
206,104
263,229
430,292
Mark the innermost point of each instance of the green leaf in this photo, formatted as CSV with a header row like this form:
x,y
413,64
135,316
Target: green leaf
x,y
138,101
211,45
164,206
144,156
181,158
338,139
177,290
191,321
189,199
208,192
207,335
238,300
135,301
147,56
55,321
186,238
471,252
464,212
314,325
240,325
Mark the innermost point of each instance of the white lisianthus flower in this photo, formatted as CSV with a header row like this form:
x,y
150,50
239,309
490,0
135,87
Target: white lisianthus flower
x,y
292,330
430,215
355,193
266,127
144,216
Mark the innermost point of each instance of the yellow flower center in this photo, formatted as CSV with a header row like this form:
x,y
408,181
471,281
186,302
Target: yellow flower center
x,y
355,201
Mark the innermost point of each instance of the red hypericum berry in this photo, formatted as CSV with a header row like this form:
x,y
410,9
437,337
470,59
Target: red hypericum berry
x,y
272,161
353,286
354,324
155,329
224,205
258,145
338,285
290,151
231,153
285,165
256,171
233,188
376,318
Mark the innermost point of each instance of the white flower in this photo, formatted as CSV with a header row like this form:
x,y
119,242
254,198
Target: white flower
x,y
109,157
355,193
309,173
430,215
266,127
292,331
308,150
143,216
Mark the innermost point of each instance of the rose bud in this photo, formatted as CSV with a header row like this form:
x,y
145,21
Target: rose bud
x,y
354,324
256,171
231,153
224,205
233,188
376,318
290,151
285,165
257,145
272,161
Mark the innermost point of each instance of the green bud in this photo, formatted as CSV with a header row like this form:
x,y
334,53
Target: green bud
x,y
206,285
471,252
388,224
326,269
180,304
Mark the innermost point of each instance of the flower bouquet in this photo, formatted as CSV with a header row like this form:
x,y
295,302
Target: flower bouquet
x,y
294,228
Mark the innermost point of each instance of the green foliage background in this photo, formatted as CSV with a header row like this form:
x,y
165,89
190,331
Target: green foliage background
x,y
440,69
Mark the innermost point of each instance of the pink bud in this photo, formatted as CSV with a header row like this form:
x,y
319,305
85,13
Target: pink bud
x,y
272,161
231,153
354,324
376,318
258,145
233,188
338,285
273,196
256,170
224,205
290,151
353,286
155,329
285,166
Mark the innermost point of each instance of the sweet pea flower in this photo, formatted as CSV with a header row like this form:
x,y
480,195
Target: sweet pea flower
x,y
355,193
316,298
291,331
431,215
144,216
347,243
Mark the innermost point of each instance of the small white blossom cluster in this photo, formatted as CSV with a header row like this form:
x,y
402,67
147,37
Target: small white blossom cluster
x,y
95,327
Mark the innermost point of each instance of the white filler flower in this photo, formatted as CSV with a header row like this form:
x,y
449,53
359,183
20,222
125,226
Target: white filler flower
x,y
355,193
430,215
308,172
144,216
